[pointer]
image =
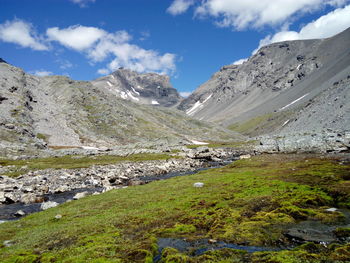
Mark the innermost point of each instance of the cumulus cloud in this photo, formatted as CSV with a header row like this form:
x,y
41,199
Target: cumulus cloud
x,y
179,6
185,94
324,27
82,3
251,13
21,33
76,37
41,73
99,45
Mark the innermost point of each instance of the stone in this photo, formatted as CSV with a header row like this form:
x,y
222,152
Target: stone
x,y
7,243
47,205
245,156
20,213
80,195
198,184
212,241
135,182
58,216
332,209
28,198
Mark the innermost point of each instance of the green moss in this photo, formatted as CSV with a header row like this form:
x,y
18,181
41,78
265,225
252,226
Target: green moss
x,y
342,232
41,136
249,202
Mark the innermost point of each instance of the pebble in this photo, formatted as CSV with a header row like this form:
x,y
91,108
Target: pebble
x,y
198,184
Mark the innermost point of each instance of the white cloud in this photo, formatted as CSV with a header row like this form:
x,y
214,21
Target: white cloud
x,y
76,37
21,33
98,45
185,94
82,3
240,61
325,26
41,73
257,13
179,6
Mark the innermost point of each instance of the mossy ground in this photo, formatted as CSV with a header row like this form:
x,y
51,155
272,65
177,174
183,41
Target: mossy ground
x,y
249,202
18,167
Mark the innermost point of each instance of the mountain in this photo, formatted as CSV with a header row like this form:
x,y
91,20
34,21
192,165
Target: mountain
x,y
292,86
57,112
2,61
149,88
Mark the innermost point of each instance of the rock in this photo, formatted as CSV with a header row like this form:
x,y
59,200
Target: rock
x,y
47,205
2,197
20,213
332,209
135,182
58,216
9,126
7,243
212,241
80,195
198,184
245,156
28,198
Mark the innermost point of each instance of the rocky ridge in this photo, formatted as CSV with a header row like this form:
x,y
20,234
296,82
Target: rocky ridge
x,y
148,88
277,83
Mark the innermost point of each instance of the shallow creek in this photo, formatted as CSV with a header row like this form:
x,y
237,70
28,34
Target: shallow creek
x,y
9,211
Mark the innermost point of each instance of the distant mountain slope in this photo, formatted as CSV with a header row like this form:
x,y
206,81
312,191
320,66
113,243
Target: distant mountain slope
x,y
274,85
57,111
149,88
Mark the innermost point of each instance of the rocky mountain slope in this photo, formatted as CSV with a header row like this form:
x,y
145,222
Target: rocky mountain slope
x,y
149,88
293,86
57,112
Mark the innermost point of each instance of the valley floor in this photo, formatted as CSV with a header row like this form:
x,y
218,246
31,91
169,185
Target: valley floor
x,y
293,207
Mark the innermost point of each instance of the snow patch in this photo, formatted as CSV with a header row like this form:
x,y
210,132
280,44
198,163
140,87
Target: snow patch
x,y
299,66
112,77
135,91
199,143
109,84
131,96
89,148
123,95
295,101
154,102
197,106
285,123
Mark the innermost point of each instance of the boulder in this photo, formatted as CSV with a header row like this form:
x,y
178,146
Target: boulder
x,y
47,205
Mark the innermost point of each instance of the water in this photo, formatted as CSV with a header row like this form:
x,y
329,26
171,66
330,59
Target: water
x,y
199,247
8,211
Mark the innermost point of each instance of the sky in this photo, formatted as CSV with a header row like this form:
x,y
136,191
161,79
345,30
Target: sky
x,y
187,39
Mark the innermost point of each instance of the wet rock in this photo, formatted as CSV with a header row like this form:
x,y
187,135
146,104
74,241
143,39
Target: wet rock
x,y
47,205
135,182
80,195
20,213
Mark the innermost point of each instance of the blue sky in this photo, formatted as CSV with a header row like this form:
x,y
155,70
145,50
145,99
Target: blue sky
x,y
187,39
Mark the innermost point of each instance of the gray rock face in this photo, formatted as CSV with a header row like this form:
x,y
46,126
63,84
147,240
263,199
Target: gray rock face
x,y
2,61
279,78
38,113
150,88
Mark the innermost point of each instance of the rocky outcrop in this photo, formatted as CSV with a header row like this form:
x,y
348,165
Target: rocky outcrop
x,y
149,88
326,141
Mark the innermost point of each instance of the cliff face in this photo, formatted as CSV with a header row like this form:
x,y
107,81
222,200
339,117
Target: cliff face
x,y
277,83
149,88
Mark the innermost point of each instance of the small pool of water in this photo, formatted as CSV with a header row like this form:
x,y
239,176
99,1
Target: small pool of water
x,y
199,247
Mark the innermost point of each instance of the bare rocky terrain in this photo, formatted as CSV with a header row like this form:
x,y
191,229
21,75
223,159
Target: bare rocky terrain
x,y
41,113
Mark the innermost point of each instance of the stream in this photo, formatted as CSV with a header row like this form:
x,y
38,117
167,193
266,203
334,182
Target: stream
x,y
9,211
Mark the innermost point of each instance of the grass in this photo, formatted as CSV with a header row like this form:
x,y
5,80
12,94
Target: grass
x,y
249,202
18,167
